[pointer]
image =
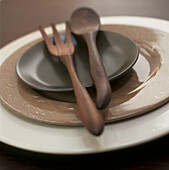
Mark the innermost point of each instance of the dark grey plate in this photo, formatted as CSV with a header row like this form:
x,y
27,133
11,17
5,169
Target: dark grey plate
x,y
42,71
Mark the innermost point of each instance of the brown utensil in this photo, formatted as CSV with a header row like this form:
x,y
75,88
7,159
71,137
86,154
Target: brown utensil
x,y
85,22
89,114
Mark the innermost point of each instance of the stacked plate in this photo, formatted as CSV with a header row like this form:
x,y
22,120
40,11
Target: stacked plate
x,y
32,121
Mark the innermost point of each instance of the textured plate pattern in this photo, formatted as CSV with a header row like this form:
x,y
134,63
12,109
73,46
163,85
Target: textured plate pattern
x,y
30,135
144,88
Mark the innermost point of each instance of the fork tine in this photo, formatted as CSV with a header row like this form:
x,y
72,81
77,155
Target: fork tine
x,y
68,34
69,41
48,43
56,35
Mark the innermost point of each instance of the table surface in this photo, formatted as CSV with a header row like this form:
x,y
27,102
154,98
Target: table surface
x,y
18,17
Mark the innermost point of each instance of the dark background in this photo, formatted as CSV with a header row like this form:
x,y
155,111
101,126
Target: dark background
x,y
18,17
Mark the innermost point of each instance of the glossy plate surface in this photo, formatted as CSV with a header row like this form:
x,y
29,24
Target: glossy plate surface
x,y
42,71
26,134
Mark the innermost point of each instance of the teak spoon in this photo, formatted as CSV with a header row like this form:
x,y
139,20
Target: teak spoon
x,y
88,111
85,22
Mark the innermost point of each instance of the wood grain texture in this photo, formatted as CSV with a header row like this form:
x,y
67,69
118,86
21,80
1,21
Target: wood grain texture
x,y
85,22
90,116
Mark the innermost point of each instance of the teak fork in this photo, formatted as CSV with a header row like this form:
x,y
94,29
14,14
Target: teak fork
x,y
88,112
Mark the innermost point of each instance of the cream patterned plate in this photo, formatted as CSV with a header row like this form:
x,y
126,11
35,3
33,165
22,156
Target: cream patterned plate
x,y
29,135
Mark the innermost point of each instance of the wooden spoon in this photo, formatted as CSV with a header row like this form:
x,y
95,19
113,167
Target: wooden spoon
x,y
85,22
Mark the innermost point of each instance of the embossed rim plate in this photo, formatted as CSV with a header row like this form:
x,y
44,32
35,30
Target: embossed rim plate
x,y
28,135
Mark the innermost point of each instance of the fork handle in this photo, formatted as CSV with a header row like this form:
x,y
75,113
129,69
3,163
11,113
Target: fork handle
x,y
98,72
88,111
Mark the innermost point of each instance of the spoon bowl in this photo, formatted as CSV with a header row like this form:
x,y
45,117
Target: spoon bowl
x,y
84,20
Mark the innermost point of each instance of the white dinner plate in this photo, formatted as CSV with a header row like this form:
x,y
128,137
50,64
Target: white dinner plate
x,y
29,135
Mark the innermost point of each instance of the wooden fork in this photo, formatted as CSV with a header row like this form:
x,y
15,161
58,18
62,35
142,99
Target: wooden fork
x,y
88,112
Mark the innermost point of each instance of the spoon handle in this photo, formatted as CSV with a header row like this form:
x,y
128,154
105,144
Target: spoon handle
x,y
88,111
98,72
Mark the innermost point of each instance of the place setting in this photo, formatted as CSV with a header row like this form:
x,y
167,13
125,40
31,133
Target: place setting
x,y
88,85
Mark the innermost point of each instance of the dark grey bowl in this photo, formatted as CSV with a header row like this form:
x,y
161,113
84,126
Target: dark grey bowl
x,y
44,72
